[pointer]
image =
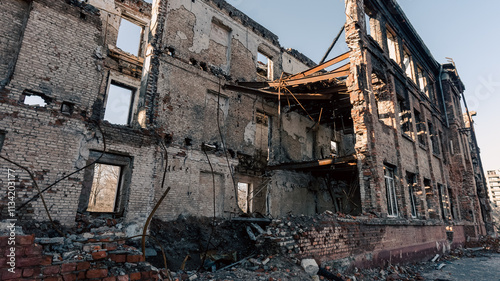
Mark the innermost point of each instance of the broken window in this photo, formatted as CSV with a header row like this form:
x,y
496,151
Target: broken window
x,y
392,203
264,66
444,202
422,81
453,209
245,196
118,104
405,118
368,24
104,188
408,65
392,44
411,180
130,36
106,183
434,138
421,130
263,133
429,197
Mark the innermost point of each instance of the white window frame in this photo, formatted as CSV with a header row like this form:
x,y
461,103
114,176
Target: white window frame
x,y
391,196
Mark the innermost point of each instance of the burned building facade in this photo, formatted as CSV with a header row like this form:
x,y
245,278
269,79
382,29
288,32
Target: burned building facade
x,y
124,99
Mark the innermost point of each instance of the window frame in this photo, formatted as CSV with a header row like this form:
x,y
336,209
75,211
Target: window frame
x,y
392,52
412,184
391,194
143,24
124,185
126,82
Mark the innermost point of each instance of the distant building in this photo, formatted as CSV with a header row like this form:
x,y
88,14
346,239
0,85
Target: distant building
x,y
493,177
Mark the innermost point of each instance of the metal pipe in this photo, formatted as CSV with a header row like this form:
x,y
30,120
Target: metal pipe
x,y
333,45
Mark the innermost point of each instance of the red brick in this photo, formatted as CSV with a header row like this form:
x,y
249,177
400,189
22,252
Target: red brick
x,y
28,272
146,275
7,275
122,278
110,246
53,278
83,265
69,277
81,275
97,273
135,276
112,278
49,270
67,267
118,257
99,255
134,258
46,260
33,250
30,261
25,240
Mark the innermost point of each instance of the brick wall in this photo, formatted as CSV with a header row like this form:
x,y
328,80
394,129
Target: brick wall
x,y
91,258
364,242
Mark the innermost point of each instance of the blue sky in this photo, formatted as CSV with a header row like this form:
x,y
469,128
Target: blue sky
x,y
464,30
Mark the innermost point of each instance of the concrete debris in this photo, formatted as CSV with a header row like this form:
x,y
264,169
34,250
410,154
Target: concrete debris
x,y
434,259
310,266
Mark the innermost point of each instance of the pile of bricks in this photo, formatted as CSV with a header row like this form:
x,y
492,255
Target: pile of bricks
x,y
77,257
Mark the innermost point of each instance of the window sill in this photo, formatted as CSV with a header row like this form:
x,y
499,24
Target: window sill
x,y
117,53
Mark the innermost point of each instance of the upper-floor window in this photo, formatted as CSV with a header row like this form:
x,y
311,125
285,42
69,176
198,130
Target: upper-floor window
x,y
368,24
408,65
392,44
422,81
405,117
119,100
434,138
411,180
421,129
265,66
130,37
392,202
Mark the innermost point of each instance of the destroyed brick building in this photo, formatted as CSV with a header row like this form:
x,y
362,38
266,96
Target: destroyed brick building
x,y
249,126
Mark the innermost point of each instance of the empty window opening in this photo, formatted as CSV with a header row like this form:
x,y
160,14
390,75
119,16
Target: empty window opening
x,y
130,37
444,203
118,104
434,139
411,180
408,66
36,99
421,130
392,44
422,81
405,118
368,24
263,133
333,148
429,197
264,66
453,208
392,203
67,108
245,197
105,185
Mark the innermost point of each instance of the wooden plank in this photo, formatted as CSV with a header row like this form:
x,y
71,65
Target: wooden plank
x,y
303,96
320,67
